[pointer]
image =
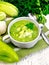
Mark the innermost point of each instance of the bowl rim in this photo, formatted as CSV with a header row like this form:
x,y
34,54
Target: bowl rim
x,y
16,20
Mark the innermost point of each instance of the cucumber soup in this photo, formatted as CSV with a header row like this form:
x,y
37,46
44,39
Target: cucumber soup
x,y
24,31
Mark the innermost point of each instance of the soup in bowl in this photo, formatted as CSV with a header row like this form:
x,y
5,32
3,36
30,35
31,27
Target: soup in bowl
x,y
23,32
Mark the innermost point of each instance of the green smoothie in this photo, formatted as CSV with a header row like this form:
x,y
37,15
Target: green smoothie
x,y
24,31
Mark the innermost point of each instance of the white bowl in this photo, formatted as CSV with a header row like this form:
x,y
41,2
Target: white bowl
x,y
23,44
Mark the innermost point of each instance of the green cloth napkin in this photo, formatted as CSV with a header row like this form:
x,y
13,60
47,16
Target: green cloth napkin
x,y
41,44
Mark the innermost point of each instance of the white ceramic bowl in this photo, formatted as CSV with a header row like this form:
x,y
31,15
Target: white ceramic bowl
x,y
22,44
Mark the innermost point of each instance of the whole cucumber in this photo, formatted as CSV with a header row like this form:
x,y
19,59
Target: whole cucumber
x,y
2,15
8,8
7,54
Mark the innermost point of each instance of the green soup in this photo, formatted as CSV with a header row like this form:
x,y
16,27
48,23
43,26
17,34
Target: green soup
x,y
24,31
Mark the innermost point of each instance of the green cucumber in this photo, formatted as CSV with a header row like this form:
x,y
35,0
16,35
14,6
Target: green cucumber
x,y
7,54
8,8
2,16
